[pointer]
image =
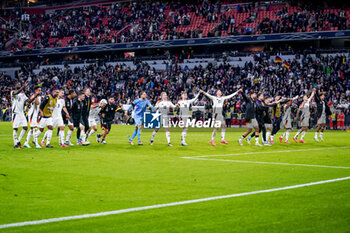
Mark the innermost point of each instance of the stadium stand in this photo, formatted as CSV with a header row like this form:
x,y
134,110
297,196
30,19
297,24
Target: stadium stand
x,y
330,73
157,21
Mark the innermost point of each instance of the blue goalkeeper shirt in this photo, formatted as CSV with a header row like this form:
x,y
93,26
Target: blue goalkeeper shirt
x,y
140,107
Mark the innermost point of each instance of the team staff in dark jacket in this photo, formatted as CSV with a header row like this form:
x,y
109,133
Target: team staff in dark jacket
x,y
69,104
263,116
86,105
77,110
107,117
251,110
323,111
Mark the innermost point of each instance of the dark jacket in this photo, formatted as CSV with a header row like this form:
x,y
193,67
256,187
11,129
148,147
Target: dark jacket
x,y
250,112
77,109
320,104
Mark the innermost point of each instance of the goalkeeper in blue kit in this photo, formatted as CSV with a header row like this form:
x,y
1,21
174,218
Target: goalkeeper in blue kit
x,y
139,105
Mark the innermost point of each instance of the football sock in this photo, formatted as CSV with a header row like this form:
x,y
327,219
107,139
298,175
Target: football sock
x,y
214,134
167,134
61,137
29,135
223,131
268,135
133,135
21,135
36,136
14,135
49,136
183,135
303,135
153,135
45,136
298,133
83,135
287,134
69,135
256,138
92,131
139,135
316,134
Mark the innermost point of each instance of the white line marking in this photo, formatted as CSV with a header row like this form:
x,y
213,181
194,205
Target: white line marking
x,y
50,220
269,152
273,163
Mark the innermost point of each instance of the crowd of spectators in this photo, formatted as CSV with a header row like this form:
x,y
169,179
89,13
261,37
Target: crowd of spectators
x,y
154,21
326,73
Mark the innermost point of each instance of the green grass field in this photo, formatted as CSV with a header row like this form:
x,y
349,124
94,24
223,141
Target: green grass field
x,y
49,183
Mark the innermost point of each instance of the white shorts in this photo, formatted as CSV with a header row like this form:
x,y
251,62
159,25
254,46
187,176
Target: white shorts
x,y
57,122
252,123
92,122
286,124
267,126
219,117
305,122
321,120
45,122
165,121
33,120
19,120
70,123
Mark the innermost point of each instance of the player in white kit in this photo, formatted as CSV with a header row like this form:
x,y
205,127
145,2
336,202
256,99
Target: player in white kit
x,y
94,114
305,117
287,121
184,105
33,115
164,106
218,104
57,120
19,120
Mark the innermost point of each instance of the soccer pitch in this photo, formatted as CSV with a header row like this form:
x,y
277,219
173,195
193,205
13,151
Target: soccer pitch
x,y
227,188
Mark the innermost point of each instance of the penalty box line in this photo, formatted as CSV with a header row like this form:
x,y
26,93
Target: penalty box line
x,y
115,212
268,152
267,163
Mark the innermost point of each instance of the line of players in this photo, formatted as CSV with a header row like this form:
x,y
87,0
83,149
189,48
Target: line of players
x,y
262,115
75,110
80,114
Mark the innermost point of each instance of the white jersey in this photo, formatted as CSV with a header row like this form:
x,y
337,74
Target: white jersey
x,y
218,102
18,102
164,107
185,106
305,110
34,108
57,110
94,111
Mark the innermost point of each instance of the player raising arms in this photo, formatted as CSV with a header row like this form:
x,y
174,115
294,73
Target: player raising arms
x,y
250,117
33,115
94,114
184,105
287,121
218,104
107,116
45,112
139,105
323,111
305,116
18,99
57,120
163,106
